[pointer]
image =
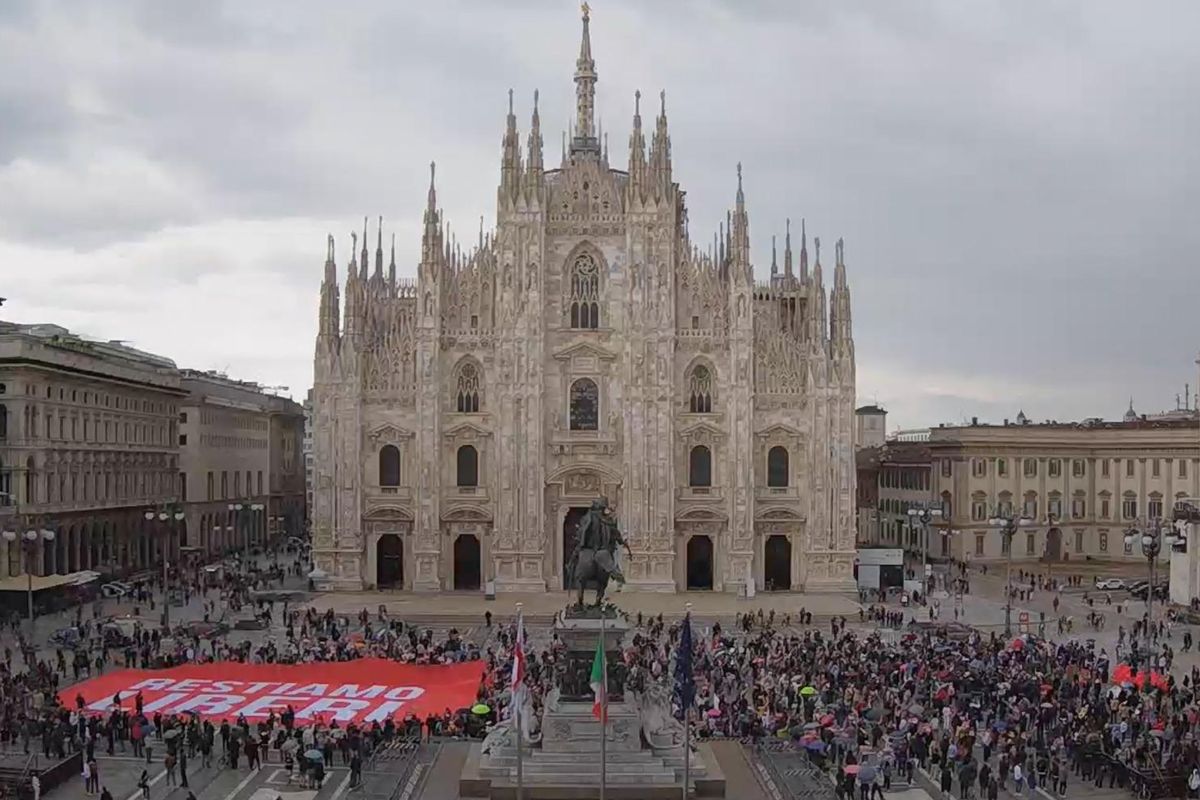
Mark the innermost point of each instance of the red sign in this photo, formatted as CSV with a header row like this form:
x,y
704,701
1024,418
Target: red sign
x,y
364,690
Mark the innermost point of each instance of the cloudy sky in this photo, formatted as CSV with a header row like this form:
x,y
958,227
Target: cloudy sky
x,y
1017,182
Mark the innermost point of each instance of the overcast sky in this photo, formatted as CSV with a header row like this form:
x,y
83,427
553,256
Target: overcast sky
x,y
1017,182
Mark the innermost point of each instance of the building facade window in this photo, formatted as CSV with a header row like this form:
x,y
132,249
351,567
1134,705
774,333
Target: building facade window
x,y
978,467
224,485
1078,541
467,466
777,467
979,544
1029,544
1002,467
1078,468
1031,506
1105,508
1154,509
1128,547
700,390
1054,507
1129,506
260,486
1155,467
1054,467
389,466
1005,545
1183,467
947,467
1030,468
978,510
1104,468
700,466
1129,468
585,405
466,396
1078,508
584,296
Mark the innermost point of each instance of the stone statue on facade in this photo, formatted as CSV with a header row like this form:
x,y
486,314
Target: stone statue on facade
x,y
597,539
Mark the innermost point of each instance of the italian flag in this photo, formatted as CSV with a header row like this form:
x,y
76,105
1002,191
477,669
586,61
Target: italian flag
x,y
600,706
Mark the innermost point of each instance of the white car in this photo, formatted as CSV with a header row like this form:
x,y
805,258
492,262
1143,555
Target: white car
x,y
1110,583
116,589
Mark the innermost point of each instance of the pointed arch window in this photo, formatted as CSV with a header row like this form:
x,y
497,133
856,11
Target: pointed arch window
x,y
700,391
467,462
389,466
777,466
584,292
585,405
466,397
700,466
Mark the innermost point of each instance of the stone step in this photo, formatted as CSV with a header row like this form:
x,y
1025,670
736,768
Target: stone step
x,y
589,779
556,757
536,766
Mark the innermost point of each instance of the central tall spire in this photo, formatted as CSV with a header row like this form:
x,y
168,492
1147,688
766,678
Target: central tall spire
x,y
585,139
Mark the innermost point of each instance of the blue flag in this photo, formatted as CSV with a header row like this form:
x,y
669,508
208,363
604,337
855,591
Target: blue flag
x,y
685,681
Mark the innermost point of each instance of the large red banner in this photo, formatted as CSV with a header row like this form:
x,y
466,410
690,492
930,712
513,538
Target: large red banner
x,y
363,691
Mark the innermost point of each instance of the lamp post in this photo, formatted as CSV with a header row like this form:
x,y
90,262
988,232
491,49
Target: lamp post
x,y
29,540
1151,537
168,517
1008,523
924,516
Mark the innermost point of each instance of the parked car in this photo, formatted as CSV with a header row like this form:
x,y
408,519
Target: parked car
x,y
1110,584
1161,590
116,589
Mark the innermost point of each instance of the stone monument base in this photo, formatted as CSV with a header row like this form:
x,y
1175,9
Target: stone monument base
x,y
565,764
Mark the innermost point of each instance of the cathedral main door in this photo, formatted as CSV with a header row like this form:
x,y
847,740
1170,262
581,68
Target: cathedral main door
x,y
777,564
389,560
569,537
466,563
700,562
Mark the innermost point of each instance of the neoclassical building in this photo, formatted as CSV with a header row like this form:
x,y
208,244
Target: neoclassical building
x,y
465,419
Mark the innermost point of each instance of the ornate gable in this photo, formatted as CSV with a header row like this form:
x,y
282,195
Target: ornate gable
x,y
388,433
466,432
702,433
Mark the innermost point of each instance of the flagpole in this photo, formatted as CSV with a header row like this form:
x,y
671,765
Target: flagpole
x,y
687,723
517,708
603,706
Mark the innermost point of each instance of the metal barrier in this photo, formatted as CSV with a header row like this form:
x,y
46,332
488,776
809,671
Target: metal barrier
x,y
791,771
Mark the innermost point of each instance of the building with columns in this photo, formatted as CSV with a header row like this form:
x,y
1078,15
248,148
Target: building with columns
x,y
586,347
87,444
1084,484
238,445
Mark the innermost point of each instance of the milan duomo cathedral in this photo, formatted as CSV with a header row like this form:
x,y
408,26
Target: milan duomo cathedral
x,y
588,347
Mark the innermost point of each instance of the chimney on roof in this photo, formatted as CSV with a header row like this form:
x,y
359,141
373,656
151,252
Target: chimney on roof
x,y
974,421
1006,422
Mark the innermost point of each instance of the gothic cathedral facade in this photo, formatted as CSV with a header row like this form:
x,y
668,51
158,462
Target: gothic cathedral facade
x,y
588,347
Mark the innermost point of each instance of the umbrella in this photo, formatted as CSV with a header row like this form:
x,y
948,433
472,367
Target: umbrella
x,y
866,774
872,714
480,709
815,746
916,708
714,712
314,755
171,734
808,691
850,769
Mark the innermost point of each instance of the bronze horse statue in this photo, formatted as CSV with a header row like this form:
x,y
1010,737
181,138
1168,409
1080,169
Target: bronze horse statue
x,y
596,541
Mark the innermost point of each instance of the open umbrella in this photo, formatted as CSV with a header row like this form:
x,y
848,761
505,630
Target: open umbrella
x,y
714,712
866,774
480,709
815,746
917,709
808,691
850,769
314,755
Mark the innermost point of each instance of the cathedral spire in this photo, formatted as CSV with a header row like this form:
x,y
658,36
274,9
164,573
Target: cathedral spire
x,y
364,262
803,250
637,147
328,323
660,148
392,263
774,263
585,139
787,250
431,238
510,165
534,159
839,306
379,251
740,235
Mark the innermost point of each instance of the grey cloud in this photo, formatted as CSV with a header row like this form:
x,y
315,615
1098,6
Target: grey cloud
x,y
1015,181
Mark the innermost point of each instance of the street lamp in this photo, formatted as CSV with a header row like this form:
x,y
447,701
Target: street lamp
x,y
29,544
1151,537
924,516
1008,523
168,517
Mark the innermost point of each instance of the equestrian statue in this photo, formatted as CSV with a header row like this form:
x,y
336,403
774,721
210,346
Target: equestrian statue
x,y
594,558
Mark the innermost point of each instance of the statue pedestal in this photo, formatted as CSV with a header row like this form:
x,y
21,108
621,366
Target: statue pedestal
x,y
567,763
